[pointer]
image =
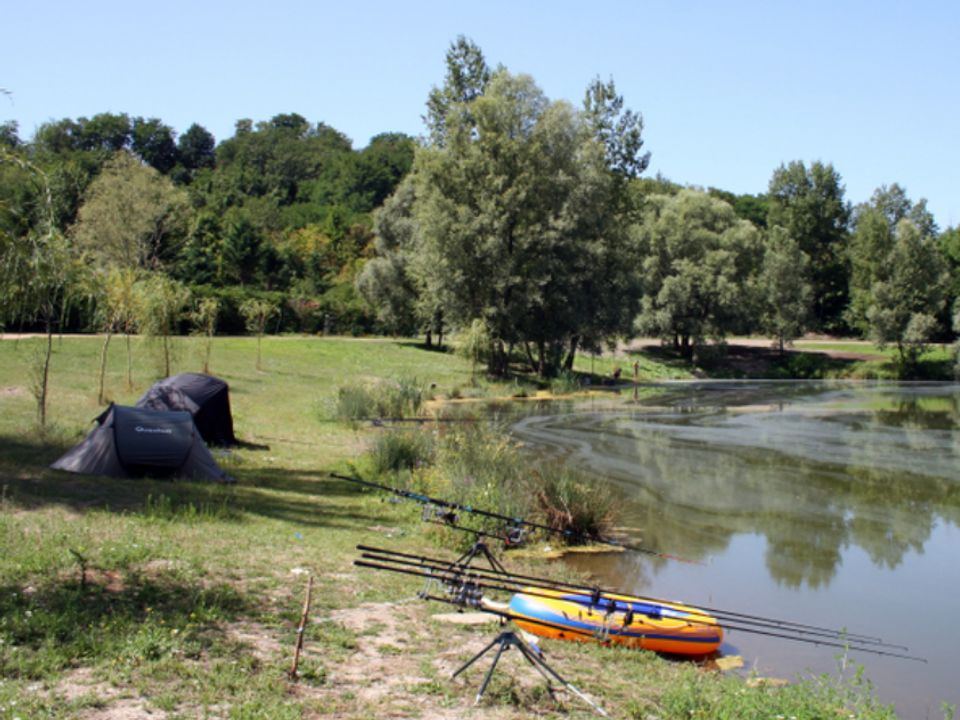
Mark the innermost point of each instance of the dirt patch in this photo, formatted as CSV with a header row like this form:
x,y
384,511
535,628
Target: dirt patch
x,y
262,645
112,703
12,392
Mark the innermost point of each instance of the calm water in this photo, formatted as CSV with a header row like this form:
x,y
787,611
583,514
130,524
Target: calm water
x,y
827,504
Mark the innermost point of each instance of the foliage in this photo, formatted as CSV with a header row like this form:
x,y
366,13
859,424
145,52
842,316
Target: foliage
x,y
786,295
204,318
35,270
517,220
698,261
809,204
384,400
907,298
257,313
474,344
395,451
161,303
132,217
572,504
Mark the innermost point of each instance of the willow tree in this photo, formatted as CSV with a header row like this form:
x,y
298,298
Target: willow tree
x,y
907,299
699,262
518,223
36,268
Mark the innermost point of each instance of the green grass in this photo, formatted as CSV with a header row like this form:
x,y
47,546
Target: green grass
x,y
183,598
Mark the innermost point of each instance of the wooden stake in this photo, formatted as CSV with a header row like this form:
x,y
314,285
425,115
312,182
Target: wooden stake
x,y
300,630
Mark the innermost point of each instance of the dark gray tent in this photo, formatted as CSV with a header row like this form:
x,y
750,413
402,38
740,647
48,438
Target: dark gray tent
x,y
136,442
205,397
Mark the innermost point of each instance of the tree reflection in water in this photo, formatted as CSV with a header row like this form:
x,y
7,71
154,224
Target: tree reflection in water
x,y
813,468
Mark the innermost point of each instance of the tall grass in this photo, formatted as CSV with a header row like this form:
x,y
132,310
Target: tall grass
x,y
480,466
385,400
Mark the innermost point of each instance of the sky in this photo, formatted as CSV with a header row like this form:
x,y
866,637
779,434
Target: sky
x,y
728,90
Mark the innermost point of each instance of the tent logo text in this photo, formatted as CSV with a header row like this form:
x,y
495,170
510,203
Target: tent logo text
x,y
142,429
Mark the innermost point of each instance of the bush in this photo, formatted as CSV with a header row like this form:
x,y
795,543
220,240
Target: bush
x,y
565,383
386,400
395,451
570,503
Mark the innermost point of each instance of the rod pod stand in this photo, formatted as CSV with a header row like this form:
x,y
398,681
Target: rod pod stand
x,y
533,655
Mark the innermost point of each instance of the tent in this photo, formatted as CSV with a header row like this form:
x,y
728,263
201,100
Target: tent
x,y
136,442
205,397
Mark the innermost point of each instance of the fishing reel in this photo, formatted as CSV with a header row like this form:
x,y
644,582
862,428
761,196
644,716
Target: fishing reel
x,y
434,514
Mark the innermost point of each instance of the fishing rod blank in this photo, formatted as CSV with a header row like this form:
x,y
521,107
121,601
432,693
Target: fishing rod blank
x,y
567,534
470,594
597,594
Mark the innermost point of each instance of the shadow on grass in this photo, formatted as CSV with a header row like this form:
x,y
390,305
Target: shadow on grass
x,y
99,615
306,497
747,362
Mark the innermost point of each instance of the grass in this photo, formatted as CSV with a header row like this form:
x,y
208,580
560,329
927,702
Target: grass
x,y
181,600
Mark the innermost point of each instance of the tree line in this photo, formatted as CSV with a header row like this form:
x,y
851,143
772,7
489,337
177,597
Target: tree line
x,y
520,221
526,221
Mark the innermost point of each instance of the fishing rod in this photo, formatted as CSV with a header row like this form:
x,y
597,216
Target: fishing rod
x,y
610,602
467,590
569,535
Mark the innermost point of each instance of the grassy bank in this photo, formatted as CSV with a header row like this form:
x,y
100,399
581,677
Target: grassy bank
x,y
120,598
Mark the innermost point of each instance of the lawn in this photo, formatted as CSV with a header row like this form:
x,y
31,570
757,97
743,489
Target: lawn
x,y
122,598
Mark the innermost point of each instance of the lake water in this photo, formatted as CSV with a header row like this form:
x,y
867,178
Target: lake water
x,y
829,504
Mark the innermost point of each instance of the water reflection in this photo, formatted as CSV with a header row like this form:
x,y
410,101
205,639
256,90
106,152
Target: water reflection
x,y
812,468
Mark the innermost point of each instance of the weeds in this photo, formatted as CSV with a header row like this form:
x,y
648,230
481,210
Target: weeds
x,y
385,400
401,450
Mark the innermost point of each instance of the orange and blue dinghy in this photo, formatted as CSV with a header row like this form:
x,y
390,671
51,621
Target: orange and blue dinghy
x,y
663,627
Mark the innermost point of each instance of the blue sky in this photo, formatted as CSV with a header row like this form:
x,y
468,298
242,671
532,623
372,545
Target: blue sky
x,y
728,90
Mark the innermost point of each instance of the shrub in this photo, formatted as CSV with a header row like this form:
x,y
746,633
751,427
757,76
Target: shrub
x,y
565,383
570,503
398,450
386,400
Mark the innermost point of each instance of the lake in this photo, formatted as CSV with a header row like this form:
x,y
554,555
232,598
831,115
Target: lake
x,y
831,504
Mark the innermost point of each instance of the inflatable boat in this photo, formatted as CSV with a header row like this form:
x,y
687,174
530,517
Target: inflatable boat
x,y
670,628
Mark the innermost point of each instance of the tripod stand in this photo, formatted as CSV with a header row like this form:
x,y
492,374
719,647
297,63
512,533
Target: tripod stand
x,y
478,549
508,639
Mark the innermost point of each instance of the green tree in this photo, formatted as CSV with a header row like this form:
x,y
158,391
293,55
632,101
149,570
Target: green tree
x,y
786,294
809,204
204,319
161,303
699,261
385,282
242,253
518,223
131,217
876,223
256,314
155,143
36,271
905,303
466,80
116,301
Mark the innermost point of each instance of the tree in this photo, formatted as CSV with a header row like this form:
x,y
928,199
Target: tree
x,y
204,318
699,258
160,306
242,252
154,142
257,313
466,80
195,149
786,294
809,204
116,299
518,223
385,281
35,272
872,241
131,217
906,301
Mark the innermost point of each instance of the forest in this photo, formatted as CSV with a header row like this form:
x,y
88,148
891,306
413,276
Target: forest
x,y
524,224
